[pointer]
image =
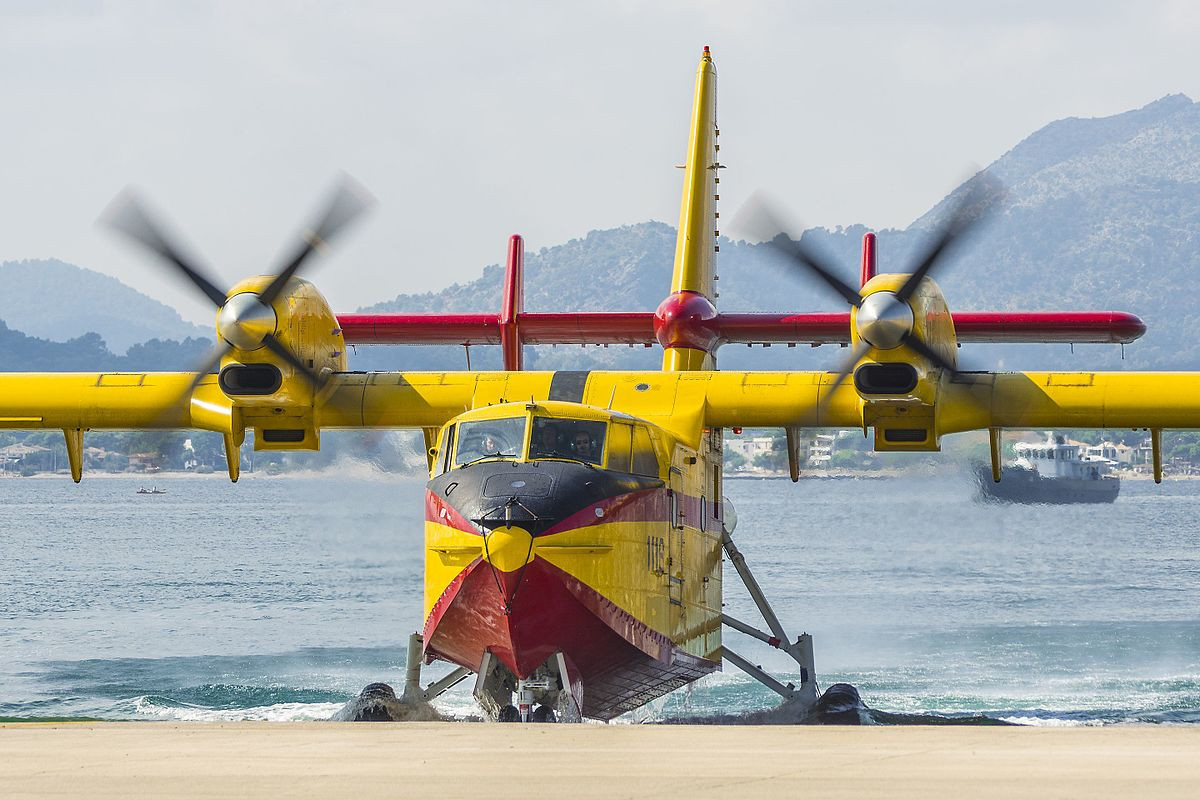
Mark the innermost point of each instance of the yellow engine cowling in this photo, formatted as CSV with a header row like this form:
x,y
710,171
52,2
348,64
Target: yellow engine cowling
x,y
275,398
903,415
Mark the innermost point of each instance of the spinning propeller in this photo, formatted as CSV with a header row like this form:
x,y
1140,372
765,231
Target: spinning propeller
x,y
246,321
884,318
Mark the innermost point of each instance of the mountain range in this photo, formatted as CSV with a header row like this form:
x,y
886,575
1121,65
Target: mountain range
x,y
1099,213
52,299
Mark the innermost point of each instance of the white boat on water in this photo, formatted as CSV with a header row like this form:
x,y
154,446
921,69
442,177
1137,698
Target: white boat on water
x,y
1053,471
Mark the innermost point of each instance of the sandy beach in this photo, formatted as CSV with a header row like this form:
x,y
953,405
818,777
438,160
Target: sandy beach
x,y
592,761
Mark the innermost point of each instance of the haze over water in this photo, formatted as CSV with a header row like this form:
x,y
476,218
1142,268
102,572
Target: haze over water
x,y
280,598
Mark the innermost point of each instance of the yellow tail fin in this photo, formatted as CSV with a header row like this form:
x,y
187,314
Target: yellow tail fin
x,y
695,244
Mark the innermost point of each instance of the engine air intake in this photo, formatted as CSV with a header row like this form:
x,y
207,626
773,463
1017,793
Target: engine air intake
x,y
905,435
249,379
885,379
283,435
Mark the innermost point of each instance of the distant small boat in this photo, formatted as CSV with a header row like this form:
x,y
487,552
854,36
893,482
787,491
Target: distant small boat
x,y
1050,472
154,490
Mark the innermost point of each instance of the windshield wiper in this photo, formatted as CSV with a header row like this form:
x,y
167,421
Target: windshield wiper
x,y
488,455
564,456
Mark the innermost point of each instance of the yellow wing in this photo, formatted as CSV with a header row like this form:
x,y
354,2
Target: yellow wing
x,y
684,403
127,401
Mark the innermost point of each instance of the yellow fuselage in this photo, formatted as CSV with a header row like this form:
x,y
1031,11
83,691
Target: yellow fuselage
x,y
525,554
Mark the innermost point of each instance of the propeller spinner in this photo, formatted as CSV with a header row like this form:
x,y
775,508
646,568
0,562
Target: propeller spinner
x,y
884,321
245,321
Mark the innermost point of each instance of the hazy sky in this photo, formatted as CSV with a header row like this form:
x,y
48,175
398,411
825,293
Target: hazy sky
x,y
470,121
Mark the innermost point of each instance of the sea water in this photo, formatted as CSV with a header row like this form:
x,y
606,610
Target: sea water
x,y
279,598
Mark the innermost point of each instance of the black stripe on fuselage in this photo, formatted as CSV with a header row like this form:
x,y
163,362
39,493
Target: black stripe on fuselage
x,y
568,385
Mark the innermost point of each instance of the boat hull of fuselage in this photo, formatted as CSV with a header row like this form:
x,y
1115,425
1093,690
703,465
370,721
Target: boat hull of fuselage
x,y
589,581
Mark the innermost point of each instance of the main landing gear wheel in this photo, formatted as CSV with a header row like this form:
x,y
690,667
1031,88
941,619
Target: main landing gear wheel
x,y
543,714
373,703
378,702
547,695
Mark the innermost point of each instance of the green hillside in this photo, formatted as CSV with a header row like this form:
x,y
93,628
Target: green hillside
x,y
1099,214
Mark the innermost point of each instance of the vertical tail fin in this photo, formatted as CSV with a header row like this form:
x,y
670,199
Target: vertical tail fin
x,y
868,259
695,243
513,304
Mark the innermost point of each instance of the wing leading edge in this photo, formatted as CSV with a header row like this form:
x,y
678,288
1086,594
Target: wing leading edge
x,y
974,401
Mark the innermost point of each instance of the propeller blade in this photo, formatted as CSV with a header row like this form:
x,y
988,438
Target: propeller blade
x,y
277,347
129,217
758,220
968,212
921,348
208,366
805,257
203,370
848,366
914,343
348,202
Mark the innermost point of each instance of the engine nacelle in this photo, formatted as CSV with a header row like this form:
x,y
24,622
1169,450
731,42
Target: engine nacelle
x,y
275,398
898,384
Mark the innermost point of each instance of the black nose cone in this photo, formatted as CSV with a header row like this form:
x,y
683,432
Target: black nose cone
x,y
535,494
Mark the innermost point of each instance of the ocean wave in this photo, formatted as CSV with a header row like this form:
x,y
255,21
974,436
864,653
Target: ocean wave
x,y
163,708
1052,722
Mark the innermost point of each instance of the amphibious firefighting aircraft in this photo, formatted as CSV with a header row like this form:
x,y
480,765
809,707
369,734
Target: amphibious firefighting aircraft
x,y
575,520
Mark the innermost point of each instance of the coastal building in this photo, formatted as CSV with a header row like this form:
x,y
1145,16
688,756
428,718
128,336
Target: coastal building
x,y
1112,451
748,447
821,449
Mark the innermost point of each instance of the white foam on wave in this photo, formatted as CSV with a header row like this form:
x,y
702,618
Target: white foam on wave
x,y
1052,722
147,707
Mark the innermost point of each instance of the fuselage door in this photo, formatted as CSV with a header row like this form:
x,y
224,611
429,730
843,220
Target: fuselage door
x,y
675,543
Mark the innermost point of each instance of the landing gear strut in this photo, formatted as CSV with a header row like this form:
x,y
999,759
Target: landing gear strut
x,y
802,698
550,694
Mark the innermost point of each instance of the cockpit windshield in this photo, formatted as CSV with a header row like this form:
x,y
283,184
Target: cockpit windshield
x,y
490,438
574,439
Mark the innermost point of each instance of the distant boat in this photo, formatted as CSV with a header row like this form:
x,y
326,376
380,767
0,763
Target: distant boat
x,y
154,490
1050,472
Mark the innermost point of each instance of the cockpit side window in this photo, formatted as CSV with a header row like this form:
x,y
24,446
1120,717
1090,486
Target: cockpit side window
x,y
645,462
573,439
447,450
489,438
620,444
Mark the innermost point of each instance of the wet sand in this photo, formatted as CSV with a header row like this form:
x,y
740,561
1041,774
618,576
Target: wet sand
x,y
592,761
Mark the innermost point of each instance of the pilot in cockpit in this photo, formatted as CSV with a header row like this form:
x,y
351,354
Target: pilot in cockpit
x,y
547,440
584,448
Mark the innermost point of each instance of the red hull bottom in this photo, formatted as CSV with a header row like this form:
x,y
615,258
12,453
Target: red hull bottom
x,y
523,618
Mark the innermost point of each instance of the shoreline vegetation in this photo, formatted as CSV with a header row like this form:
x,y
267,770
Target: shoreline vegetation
x,y
946,469
147,456
755,453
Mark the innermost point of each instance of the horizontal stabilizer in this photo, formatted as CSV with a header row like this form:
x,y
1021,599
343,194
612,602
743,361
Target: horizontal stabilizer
x,y
813,328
